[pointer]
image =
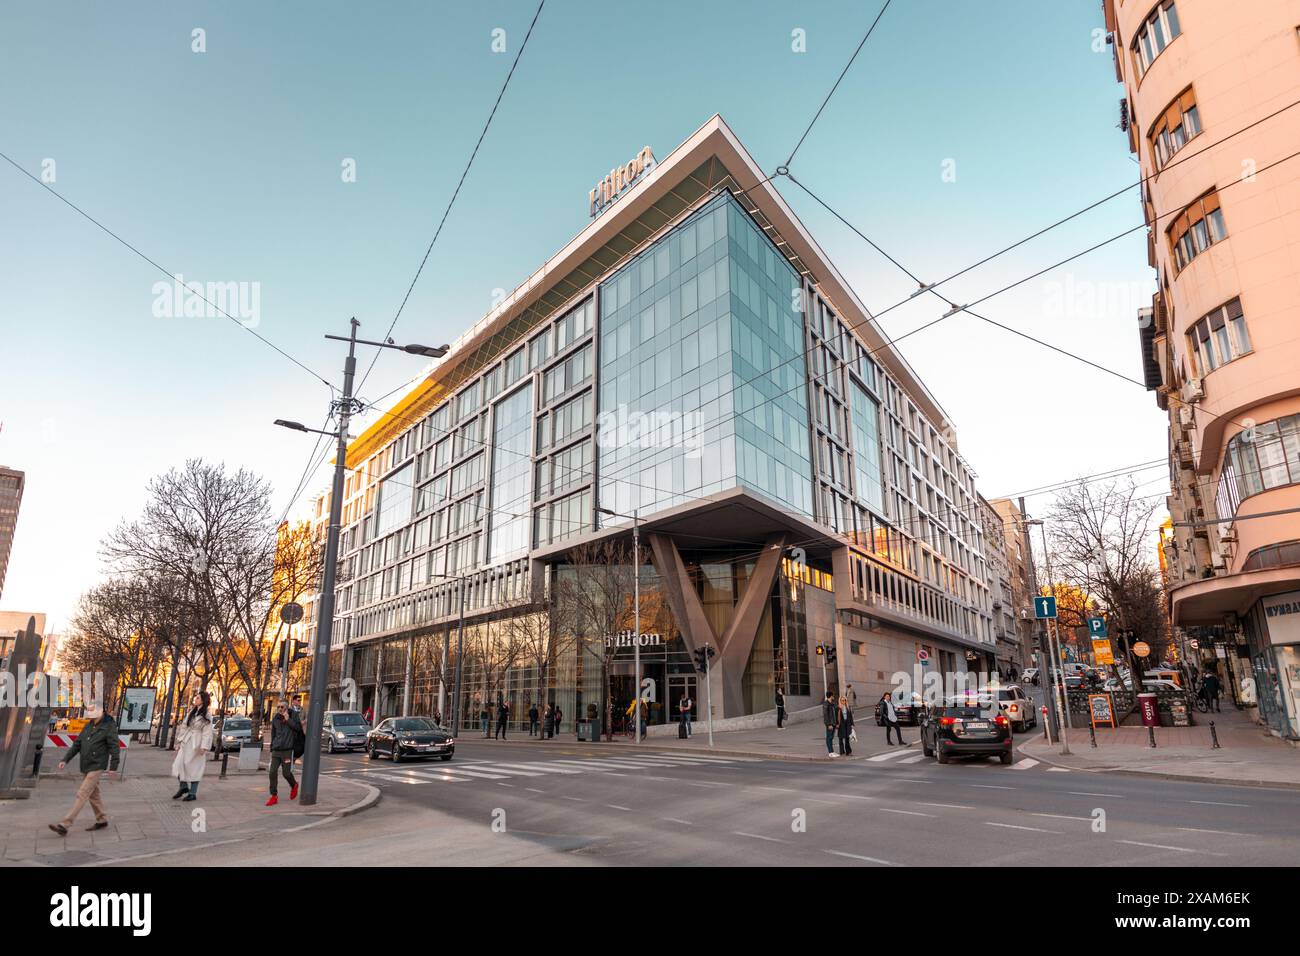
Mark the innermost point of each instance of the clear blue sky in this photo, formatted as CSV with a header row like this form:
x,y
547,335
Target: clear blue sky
x,y
225,166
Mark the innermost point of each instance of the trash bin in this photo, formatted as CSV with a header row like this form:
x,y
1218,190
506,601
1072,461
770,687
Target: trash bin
x,y
587,730
249,755
1150,710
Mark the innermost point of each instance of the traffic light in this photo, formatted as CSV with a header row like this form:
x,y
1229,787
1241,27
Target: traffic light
x,y
821,649
702,656
830,654
299,651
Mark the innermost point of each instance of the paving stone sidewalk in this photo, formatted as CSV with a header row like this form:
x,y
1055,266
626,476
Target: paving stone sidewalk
x,y
1247,754
144,821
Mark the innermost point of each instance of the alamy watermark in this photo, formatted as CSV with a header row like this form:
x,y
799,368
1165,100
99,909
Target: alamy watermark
x,y
177,299
623,427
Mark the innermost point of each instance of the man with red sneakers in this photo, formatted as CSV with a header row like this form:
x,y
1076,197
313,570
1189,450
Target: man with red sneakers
x,y
285,727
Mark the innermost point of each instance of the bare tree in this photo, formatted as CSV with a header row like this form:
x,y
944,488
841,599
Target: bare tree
x,y
213,529
1103,543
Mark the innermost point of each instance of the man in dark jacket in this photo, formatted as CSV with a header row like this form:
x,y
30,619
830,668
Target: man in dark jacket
x,y
503,718
1213,689
831,720
532,721
285,728
98,746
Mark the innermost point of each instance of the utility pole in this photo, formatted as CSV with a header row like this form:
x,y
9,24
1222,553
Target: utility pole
x,y
1062,696
345,407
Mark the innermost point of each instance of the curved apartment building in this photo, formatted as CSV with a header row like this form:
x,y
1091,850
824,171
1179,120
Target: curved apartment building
x,y
1212,110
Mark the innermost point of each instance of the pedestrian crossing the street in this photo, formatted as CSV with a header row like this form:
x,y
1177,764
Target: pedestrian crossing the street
x,y
463,771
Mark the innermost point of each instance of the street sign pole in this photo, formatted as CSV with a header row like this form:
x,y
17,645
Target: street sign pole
x,y
708,690
1056,663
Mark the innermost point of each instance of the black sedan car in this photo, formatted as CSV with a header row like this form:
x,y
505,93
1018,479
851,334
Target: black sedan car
x,y
961,728
909,712
403,737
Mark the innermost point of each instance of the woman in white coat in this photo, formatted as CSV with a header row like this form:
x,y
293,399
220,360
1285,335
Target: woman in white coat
x,y
193,741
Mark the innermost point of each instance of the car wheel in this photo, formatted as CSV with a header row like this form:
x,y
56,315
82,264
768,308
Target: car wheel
x,y
926,749
329,746
1018,727
446,756
1005,758
371,752
397,753
939,753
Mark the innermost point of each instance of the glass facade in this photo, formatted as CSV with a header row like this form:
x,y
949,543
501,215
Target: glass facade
x,y
512,431
866,447
702,370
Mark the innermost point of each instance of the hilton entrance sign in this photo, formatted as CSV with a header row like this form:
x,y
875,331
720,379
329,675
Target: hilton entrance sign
x,y
619,180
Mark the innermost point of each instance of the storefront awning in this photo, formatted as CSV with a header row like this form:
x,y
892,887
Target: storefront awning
x,y
1206,602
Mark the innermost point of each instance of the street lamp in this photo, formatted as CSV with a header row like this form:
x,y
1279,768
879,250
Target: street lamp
x,y
636,610
345,407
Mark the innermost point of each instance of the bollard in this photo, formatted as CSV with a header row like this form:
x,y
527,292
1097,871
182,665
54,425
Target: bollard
x,y
1151,736
1092,735
1214,737
225,757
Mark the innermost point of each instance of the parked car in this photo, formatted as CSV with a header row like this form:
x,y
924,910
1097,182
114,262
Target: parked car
x,y
343,730
1017,706
1152,684
402,737
965,728
1030,676
234,732
909,713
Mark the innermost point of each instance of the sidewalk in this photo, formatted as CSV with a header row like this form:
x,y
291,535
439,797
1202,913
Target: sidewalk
x,y
804,741
144,820
1248,754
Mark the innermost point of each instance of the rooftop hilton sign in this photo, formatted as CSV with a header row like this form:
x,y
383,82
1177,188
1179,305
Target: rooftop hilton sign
x,y
619,180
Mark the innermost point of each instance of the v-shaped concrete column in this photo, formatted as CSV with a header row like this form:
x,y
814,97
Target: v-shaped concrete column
x,y
739,639
735,645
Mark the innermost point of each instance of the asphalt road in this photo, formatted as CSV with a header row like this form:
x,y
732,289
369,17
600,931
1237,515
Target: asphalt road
x,y
565,803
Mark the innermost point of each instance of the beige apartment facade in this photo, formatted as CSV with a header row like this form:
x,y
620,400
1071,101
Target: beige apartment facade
x,y
1212,111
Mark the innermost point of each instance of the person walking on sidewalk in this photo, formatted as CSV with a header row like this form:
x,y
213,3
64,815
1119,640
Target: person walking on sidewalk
x,y
558,715
831,719
890,717
193,741
485,719
532,721
686,705
98,746
1213,689
549,725
780,709
503,718
285,728
845,727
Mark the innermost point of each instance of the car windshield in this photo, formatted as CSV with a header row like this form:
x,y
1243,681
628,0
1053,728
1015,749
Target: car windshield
x,y
416,724
237,723
349,720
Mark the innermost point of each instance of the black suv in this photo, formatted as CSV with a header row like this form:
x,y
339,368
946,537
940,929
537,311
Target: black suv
x,y
966,726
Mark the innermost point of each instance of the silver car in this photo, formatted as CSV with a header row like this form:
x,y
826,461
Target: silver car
x,y
343,730
235,732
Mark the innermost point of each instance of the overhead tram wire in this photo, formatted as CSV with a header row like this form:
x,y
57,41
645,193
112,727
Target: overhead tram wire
x,y
839,80
168,273
456,192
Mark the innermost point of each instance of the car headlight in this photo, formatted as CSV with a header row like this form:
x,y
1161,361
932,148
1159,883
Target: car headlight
x,y
339,736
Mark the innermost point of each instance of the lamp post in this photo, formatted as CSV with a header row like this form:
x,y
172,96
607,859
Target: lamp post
x,y
636,611
345,407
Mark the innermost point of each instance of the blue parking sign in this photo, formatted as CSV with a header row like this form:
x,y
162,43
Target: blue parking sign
x,y
1097,627
1044,607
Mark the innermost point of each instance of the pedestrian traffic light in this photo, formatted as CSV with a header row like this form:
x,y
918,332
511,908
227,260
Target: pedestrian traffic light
x,y
830,654
821,649
701,660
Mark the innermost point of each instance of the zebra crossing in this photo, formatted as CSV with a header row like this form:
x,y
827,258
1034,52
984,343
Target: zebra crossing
x,y
467,771
911,757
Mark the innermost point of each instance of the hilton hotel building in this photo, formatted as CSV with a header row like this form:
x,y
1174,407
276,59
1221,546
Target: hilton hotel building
x,y
805,489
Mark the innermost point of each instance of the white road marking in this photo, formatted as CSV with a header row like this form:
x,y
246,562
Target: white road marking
x,y
887,756
1157,846
481,774
948,806
1220,832
539,767
574,799
1012,826
534,790
757,836
1058,770
858,856
917,759
910,813
615,806
1062,816
1088,793
685,823
989,786
1024,764
1216,803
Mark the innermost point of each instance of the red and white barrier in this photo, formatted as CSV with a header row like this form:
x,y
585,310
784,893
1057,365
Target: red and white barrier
x,y
65,740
